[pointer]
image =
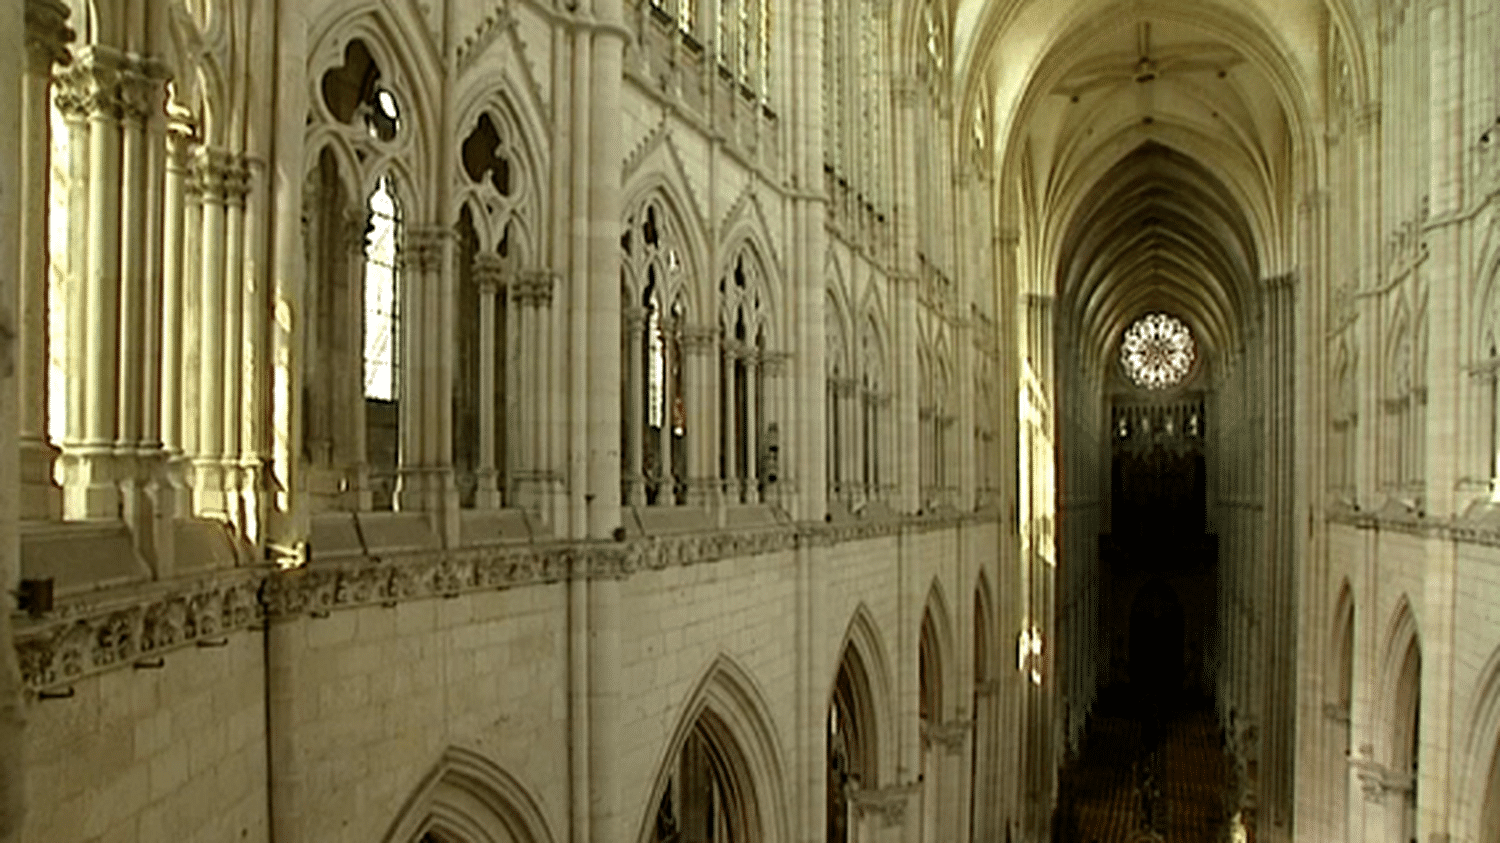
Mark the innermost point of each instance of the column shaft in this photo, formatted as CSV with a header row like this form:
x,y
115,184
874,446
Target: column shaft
x,y
46,36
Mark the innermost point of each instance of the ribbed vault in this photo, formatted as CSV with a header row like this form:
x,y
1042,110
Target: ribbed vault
x,y
1157,232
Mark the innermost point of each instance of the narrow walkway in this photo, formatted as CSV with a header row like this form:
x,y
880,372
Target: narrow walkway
x,y
1123,790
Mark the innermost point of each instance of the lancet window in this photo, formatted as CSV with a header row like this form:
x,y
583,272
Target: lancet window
x,y
856,113
839,370
875,472
656,412
356,232
747,433
499,454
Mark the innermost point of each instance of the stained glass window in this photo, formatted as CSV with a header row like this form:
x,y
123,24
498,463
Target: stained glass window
x,y
1157,351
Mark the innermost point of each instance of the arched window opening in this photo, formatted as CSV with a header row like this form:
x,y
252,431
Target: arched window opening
x,y
353,90
851,744
1406,737
746,468
666,415
836,366
707,799
382,338
874,401
656,410
485,158
983,749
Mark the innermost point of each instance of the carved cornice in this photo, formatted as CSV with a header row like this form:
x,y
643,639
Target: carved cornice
x,y
91,635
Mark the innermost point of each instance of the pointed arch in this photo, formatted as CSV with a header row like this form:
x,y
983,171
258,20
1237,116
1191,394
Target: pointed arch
x,y
1400,686
668,196
494,97
1341,639
468,797
403,53
1478,795
984,622
941,648
728,713
863,655
747,257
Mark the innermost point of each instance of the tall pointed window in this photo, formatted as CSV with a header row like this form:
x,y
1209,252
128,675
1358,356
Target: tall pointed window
x,y
382,295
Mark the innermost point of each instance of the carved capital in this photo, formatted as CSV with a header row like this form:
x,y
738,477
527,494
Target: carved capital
x,y
534,287
889,803
1337,712
774,363
700,339
490,273
355,231
1286,281
950,735
143,92
225,177
423,247
634,316
89,88
906,89
47,35
844,387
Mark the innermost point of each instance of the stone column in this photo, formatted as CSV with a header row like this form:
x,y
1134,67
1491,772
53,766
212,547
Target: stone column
x,y
174,317
729,421
350,466
1278,590
90,100
634,482
47,36
773,372
12,700
532,294
666,493
223,182
751,444
236,185
607,46
906,423
424,399
700,347
489,277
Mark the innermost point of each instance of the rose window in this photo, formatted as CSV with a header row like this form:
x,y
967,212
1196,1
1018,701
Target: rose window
x,y
1157,351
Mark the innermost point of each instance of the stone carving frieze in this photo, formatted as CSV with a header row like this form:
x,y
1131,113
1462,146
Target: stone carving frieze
x,y
90,640
88,636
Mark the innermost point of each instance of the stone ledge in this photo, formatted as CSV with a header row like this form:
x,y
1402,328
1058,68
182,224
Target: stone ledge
x,y
109,630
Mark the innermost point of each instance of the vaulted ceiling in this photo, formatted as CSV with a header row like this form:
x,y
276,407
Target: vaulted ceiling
x,y
1151,151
